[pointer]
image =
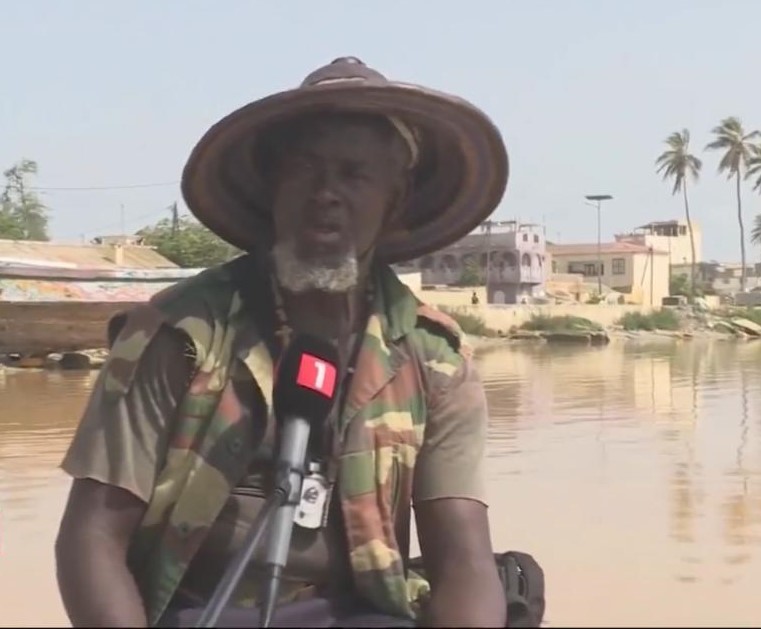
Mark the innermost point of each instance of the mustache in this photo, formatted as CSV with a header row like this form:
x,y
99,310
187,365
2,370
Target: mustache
x,y
320,215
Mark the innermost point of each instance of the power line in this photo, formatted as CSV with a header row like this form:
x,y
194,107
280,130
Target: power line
x,y
128,219
94,188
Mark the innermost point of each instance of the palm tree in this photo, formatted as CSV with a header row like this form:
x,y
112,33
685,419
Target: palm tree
x,y
678,164
736,144
755,233
754,170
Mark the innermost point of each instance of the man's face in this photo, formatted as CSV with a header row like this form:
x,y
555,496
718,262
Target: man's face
x,y
335,183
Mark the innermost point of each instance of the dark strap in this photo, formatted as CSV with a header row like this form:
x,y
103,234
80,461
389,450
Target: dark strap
x,y
523,582
251,278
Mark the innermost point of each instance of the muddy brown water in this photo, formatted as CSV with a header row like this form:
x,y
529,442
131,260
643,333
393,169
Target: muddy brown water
x,y
632,472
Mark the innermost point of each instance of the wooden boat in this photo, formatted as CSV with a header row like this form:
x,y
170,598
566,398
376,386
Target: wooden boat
x,y
52,308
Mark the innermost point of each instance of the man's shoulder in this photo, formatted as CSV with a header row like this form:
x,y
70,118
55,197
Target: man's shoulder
x,y
191,302
436,334
437,323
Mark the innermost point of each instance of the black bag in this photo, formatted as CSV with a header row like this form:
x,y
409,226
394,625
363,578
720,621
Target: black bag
x,y
523,580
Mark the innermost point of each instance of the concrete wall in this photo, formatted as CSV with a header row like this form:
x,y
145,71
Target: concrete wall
x,y
658,278
504,317
412,280
451,296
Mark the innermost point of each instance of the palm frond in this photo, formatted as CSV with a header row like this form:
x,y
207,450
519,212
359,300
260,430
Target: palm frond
x,y
676,163
731,138
755,233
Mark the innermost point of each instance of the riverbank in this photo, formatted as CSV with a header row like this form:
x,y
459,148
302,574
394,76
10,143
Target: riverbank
x,y
738,324
664,325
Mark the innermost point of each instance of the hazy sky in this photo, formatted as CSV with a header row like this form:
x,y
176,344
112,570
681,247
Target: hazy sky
x,y
116,94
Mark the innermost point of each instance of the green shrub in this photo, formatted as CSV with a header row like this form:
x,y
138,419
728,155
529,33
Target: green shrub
x,y
543,323
664,319
470,323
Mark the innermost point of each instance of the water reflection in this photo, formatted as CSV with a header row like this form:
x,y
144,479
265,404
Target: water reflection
x,y
632,473
637,469
37,416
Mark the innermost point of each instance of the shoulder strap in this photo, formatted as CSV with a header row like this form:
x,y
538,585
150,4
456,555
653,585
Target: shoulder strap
x,y
441,323
250,277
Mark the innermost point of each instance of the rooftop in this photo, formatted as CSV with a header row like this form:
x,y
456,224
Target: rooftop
x,y
90,256
605,248
669,223
495,239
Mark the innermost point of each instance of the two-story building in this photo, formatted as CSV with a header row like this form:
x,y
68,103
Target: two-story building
x,y
516,269
640,272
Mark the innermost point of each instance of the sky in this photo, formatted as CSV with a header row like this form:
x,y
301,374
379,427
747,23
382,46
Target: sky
x,y
114,95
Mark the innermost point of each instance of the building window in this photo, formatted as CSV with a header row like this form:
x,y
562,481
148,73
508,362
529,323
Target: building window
x,y
525,237
536,237
588,269
618,266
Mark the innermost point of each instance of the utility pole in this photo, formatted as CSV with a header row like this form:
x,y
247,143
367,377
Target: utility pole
x,y
175,218
486,250
597,200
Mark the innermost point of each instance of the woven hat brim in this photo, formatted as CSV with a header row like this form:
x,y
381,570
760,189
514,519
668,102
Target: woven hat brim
x,y
464,173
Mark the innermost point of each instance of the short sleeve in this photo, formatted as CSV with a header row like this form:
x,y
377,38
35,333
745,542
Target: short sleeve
x,y
121,439
450,463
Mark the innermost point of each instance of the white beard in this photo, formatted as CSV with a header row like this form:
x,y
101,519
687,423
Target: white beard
x,y
328,275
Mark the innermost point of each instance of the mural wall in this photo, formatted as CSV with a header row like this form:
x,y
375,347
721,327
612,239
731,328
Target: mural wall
x,y
72,290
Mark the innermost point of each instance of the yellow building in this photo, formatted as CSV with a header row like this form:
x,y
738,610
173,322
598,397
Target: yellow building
x,y
638,271
672,237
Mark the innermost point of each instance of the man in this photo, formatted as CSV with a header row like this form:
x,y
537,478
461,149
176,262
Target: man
x,y
322,186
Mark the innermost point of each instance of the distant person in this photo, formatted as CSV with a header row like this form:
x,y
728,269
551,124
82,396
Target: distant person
x,y
474,299
323,187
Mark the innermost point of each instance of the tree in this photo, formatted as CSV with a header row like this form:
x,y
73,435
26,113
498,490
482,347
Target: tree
x,y
736,144
755,234
676,163
187,243
471,274
679,285
22,215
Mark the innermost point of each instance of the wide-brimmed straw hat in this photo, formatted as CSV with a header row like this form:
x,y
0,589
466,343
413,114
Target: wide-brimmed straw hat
x,y
460,173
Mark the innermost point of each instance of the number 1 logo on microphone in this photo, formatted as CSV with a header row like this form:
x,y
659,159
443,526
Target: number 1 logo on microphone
x,y
317,375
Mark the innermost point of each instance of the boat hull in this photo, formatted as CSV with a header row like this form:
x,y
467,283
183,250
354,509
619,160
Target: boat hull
x,y
46,309
38,328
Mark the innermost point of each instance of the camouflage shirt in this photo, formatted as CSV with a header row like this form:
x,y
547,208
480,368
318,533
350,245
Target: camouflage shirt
x,y
413,429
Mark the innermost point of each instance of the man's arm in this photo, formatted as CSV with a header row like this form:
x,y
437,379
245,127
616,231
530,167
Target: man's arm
x,y
451,512
114,458
96,586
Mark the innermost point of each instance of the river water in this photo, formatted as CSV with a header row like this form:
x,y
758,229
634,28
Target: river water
x,y
631,472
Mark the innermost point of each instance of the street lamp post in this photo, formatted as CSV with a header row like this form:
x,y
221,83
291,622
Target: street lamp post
x,y
598,199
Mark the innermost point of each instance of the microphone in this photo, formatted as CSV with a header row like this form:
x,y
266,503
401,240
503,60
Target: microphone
x,y
303,395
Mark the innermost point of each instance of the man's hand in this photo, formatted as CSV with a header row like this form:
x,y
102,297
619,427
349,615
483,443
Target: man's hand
x,y
96,586
456,549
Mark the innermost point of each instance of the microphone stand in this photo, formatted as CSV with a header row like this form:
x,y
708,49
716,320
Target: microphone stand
x,y
291,473
280,506
237,566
